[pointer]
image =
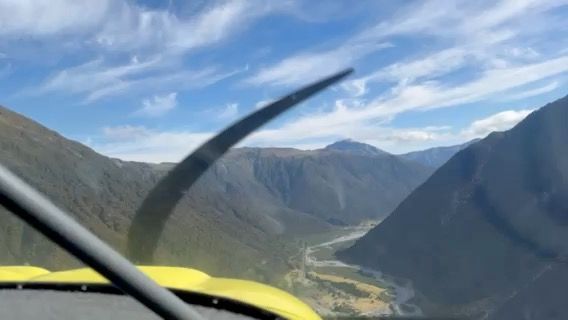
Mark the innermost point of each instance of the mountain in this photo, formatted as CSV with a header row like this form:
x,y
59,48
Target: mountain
x,y
486,235
355,147
335,186
431,158
241,219
435,157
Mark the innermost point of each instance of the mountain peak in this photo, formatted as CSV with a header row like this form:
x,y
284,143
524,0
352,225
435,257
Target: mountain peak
x,y
355,147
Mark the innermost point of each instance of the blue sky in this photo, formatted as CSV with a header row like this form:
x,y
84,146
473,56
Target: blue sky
x,y
151,80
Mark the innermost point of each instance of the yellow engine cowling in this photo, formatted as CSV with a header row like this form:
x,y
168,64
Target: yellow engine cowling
x,y
191,280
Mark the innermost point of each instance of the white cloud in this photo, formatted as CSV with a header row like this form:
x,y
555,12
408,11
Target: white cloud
x,y
481,36
310,131
488,39
96,79
230,111
133,27
357,87
501,121
138,143
305,67
476,28
437,64
369,121
430,95
427,17
124,25
221,21
49,17
158,105
413,135
428,67
524,52
159,39
506,11
523,94
459,18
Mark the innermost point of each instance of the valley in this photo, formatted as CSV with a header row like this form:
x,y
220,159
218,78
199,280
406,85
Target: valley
x,y
335,288
274,215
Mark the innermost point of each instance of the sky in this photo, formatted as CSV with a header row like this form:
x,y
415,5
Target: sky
x,y
151,80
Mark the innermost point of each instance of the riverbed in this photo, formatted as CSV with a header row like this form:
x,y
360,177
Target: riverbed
x,y
402,291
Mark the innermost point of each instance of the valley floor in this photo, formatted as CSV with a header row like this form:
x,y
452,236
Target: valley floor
x,y
334,288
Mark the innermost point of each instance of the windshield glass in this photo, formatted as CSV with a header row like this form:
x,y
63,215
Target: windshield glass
x,y
433,181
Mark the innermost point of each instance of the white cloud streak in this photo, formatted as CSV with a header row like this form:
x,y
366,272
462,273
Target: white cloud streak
x,y
366,122
158,105
428,67
369,121
159,37
488,38
124,25
50,17
96,80
132,27
230,111
138,143
476,27
523,94
501,121
427,96
305,67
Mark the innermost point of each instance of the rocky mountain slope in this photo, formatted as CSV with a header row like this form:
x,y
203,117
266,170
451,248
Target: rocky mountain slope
x,y
336,186
487,233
